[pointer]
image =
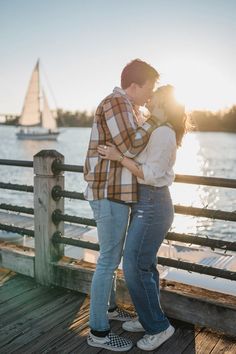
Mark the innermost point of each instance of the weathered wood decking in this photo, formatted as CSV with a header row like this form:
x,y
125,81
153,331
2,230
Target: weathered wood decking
x,y
37,319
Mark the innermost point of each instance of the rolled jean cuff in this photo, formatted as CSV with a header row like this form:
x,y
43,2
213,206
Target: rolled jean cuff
x,y
100,333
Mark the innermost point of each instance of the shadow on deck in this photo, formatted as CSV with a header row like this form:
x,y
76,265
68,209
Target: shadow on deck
x,y
37,319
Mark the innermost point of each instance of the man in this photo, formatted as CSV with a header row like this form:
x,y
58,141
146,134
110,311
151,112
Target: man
x,y
111,188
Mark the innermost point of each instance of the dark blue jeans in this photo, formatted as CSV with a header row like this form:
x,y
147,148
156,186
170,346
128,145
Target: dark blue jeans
x,y
151,218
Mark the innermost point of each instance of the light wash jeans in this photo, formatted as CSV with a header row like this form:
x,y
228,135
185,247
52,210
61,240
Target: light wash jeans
x,y
151,218
112,220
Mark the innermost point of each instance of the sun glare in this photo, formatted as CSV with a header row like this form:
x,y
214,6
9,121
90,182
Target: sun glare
x,y
199,85
186,162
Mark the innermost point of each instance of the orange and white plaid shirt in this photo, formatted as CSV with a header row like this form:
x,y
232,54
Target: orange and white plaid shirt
x,y
115,121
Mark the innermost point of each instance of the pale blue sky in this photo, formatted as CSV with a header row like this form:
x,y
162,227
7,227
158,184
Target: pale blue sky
x,y
83,46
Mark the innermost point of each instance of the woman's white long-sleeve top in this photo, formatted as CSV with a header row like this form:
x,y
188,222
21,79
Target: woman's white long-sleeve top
x,y
158,158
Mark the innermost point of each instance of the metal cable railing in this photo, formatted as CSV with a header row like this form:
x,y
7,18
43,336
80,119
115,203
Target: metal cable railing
x,y
173,236
201,180
17,187
17,163
57,193
57,167
58,216
18,230
197,268
206,213
164,261
202,241
17,208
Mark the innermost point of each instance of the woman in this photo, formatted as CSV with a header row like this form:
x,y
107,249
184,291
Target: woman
x,y
151,217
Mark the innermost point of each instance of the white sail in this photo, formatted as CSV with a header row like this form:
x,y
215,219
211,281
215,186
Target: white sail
x,y
32,115
31,110
48,121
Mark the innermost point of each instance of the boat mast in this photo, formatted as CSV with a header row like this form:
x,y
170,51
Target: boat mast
x,y
39,110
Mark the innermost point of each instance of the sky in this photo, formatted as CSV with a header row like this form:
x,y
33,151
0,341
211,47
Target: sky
x,y
84,45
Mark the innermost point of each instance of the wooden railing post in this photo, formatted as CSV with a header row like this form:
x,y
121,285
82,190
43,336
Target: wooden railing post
x,y
44,205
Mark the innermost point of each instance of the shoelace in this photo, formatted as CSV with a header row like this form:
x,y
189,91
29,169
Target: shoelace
x,y
152,337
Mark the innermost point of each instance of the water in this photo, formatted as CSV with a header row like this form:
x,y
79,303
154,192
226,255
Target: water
x,y
203,154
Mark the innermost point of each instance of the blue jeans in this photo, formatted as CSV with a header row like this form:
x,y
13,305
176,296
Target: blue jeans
x,y
151,218
112,220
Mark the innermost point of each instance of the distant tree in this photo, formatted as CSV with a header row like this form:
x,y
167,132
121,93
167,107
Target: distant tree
x,y
229,120
11,119
74,119
202,120
219,121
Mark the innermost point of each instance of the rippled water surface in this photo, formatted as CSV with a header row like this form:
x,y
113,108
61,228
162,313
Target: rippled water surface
x,y
205,154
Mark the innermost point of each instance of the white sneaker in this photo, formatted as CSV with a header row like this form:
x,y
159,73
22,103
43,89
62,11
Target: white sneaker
x,y
151,342
133,326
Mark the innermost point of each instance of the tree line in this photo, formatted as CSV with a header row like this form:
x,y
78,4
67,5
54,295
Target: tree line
x,y
215,121
202,120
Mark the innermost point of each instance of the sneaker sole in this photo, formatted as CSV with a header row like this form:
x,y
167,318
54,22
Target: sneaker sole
x,y
133,330
153,348
101,345
119,319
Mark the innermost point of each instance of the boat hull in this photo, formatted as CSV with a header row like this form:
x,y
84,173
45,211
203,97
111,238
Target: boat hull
x,y
37,136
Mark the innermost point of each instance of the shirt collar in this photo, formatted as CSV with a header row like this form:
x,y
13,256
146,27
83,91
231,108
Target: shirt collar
x,y
119,90
123,93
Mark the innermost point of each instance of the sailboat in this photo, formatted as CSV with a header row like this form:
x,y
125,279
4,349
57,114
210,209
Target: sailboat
x,y
36,121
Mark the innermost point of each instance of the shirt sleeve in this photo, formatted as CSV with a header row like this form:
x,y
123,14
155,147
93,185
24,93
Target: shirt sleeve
x,y
127,136
161,151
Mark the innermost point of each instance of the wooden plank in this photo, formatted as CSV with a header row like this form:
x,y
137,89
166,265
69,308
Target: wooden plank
x,y
225,345
59,319
183,336
5,275
193,310
61,337
204,294
18,306
19,259
186,303
71,276
180,340
53,303
13,280
14,289
44,205
60,325
204,343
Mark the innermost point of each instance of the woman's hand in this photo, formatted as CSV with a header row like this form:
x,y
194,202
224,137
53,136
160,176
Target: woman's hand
x,y
109,152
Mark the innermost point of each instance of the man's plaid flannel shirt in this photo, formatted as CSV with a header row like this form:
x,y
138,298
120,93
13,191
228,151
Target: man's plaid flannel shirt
x,y
115,121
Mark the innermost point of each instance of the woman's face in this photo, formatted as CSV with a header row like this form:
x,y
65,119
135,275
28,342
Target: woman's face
x,y
162,98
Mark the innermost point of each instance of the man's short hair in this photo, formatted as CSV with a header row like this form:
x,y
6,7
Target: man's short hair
x,y
138,71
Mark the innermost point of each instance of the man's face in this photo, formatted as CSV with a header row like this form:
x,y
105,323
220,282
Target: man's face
x,y
144,93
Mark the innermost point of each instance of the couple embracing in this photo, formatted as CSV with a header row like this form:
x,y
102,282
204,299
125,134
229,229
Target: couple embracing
x,y
128,169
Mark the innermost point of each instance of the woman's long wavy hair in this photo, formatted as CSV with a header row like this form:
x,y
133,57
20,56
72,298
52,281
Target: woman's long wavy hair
x,y
173,112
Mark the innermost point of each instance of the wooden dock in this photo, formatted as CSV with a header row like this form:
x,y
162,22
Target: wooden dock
x,y
38,319
45,308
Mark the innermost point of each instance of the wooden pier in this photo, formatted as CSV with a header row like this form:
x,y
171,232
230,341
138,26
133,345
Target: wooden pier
x,y
38,319
44,304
